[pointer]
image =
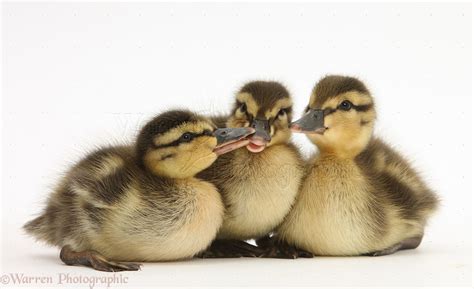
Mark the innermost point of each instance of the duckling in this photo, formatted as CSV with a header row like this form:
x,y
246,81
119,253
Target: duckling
x,y
258,182
359,196
141,202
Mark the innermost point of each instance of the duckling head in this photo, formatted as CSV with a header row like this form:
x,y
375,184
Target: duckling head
x,y
265,106
180,144
340,116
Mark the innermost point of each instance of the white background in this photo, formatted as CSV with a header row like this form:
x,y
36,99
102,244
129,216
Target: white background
x,y
80,75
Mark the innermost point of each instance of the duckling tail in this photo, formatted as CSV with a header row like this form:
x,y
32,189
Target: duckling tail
x,y
40,229
34,226
428,204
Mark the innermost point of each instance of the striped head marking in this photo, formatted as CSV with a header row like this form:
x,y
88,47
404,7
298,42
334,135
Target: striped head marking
x,y
340,116
265,106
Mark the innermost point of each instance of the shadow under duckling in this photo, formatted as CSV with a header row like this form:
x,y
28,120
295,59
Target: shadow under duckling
x,y
359,197
140,203
258,183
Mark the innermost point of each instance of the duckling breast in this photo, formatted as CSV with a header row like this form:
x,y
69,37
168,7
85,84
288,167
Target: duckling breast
x,y
334,213
260,191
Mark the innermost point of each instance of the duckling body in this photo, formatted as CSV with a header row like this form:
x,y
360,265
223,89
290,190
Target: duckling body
x,y
107,204
259,182
258,189
353,207
137,203
359,196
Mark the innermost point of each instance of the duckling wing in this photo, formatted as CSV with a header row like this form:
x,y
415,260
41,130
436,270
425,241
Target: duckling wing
x,y
397,182
84,195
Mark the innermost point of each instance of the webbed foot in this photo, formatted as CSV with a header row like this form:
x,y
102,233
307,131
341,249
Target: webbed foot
x,y
410,243
95,260
230,249
281,250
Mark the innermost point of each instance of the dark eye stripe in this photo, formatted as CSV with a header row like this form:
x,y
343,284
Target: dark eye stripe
x,y
362,108
180,141
207,132
329,111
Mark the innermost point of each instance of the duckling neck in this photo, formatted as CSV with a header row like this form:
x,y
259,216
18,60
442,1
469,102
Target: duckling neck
x,y
333,166
332,157
344,150
334,154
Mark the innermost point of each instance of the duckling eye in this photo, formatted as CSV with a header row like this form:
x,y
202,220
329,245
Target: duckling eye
x,y
345,105
243,107
186,137
282,112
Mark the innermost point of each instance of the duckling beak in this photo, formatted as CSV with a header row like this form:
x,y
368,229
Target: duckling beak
x,y
312,122
262,129
229,139
262,136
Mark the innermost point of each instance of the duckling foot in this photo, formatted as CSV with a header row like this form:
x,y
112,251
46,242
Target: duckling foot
x,y
410,243
231,249
285,251
281,250
266,242
95,260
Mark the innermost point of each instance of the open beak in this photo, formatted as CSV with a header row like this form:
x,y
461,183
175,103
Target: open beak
x,y
259,140
229,139
311,123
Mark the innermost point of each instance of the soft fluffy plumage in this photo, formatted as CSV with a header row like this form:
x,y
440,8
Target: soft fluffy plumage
x,y
359,196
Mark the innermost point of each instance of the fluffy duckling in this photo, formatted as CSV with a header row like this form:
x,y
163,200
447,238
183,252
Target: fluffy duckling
x,y
259,182
359,197
140,203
